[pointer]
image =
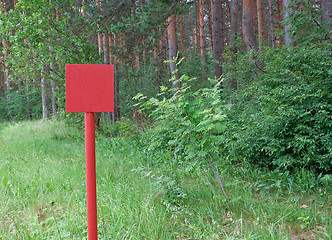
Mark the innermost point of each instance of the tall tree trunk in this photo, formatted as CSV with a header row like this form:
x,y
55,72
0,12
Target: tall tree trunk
x,y
100,36
260,22
218,37
248,24
137,58
327,14
201,28
279,8
192,32
210,16
287,14
116,82
54,99
106,48
172,50
201,36
110,48
53,88
181,26
234,29
43,93
197,25
271,23
228,22
6,78
265,23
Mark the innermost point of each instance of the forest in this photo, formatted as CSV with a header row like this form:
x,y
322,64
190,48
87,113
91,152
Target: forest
x,y
223,113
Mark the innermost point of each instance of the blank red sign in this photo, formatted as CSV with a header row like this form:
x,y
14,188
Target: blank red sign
x,y
89,88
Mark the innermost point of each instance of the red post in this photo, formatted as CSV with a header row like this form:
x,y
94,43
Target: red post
x,y
90,159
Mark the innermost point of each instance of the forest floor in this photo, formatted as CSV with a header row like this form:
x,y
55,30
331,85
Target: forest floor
x,y
42,193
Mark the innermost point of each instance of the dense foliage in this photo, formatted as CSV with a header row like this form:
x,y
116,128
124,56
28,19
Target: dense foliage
x,y
279,119
283,118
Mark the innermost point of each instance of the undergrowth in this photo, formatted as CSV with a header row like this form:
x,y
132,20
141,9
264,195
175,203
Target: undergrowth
x,y
144,194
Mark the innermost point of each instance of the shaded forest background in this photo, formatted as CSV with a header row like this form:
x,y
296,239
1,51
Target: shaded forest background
x,y
256,73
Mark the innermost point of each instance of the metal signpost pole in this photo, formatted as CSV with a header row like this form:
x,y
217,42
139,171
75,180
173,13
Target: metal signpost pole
x,y
90,160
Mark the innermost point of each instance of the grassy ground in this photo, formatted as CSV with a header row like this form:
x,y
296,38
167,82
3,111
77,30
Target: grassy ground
x,y
42,193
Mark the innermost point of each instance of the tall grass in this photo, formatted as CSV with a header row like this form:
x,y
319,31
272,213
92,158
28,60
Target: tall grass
x,y
42,193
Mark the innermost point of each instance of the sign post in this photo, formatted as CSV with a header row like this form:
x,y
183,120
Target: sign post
x,y
90,89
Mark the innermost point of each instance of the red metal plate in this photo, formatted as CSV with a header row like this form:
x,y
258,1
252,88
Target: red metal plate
x,y
89,88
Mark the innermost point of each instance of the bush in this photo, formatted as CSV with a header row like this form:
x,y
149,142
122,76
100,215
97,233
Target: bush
x,y
189,124
283,118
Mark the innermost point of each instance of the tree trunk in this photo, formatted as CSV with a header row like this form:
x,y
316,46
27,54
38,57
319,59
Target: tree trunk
x,y
234,23
279,8
201,29
43,93
6,78
116,82
181,27
260,22
218,38
192,32
172,50
327,14
271,23
248,24
210,16
54,99
228,22
287,14
201,36
110,37
106,48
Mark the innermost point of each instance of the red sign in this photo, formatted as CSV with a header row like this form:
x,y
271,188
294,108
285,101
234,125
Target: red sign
x,y
89,88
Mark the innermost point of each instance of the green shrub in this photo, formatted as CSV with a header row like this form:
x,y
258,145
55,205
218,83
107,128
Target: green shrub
x,y
189,124
283,118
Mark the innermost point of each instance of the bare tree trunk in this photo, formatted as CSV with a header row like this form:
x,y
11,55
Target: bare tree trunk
x,y
201,29
181,25
6,77
288,12
271,23
279,8
116,83
53,91
106,48
234,32
218,37
43,93
111,45
228,22
265,23
172,50
192,32
210,16
234,22
260,22
54,99
100,36
201,36
248,24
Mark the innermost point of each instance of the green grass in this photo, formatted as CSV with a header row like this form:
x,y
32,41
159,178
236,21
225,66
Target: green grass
x,y
42,193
